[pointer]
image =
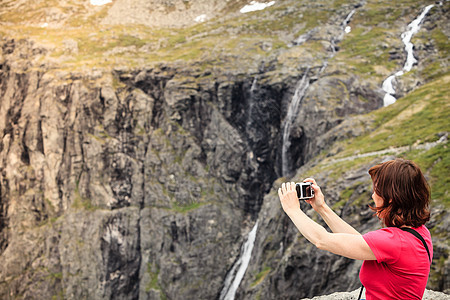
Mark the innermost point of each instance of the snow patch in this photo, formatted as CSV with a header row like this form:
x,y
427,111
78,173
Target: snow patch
x,y
254,6
200,19
100,2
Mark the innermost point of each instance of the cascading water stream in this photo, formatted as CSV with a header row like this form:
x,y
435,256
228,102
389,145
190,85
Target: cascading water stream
x,y
300,90
250,106
237,272
253,87
299,93
345,29
406,36
345,26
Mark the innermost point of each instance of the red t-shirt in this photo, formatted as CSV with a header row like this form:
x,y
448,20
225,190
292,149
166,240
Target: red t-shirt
x,y
402,266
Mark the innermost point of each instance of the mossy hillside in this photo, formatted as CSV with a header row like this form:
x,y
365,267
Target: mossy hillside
x,y
417,118
25,12
436,164
240,35
95,40
434,66
363,50
383,13
235,35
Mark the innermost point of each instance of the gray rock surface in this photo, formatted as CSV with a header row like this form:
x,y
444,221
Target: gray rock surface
x,y
428,295
173,13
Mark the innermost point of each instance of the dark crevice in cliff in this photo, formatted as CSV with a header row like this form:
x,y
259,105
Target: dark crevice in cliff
x,y
25,156
139,228
3,216
254,111
40,139
121,269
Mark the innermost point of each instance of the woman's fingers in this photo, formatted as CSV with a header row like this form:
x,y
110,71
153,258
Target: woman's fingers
x,y
288,197
314,184
312,180
285,188
280,192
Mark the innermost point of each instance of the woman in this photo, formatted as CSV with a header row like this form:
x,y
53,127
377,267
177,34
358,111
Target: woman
x,y
396,264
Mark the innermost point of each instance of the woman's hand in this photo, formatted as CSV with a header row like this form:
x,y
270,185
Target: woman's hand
x,y
288,197
319,200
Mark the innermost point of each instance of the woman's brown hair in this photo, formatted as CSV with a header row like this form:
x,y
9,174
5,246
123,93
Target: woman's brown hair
x,y
405,193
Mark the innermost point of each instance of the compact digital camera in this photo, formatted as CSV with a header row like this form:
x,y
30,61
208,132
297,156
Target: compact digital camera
x,y
304,190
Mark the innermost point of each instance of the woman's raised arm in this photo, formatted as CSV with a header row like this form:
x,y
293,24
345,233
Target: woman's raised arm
x,y
346,244
336,224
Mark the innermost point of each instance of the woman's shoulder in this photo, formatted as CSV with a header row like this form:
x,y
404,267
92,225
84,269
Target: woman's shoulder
x,y
386,243
384,233
423,230
387,230
393,232
390,232
425,233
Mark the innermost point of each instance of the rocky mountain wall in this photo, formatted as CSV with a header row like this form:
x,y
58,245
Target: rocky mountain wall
x,y
158,167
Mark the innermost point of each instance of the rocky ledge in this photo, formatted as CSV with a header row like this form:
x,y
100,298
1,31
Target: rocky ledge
x,y
428,295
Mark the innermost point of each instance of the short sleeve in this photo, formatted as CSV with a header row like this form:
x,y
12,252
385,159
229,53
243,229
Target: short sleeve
x,y
385,244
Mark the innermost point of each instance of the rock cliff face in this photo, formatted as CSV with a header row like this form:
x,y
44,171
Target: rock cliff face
x,y
142,182
149,182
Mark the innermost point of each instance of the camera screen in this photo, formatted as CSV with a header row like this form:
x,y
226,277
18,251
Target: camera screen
x,y
306,190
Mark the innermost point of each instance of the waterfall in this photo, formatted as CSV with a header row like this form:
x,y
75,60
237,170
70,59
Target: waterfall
x,y
251,101
292,112
252,88
406,36
301,87
345,29
234,277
